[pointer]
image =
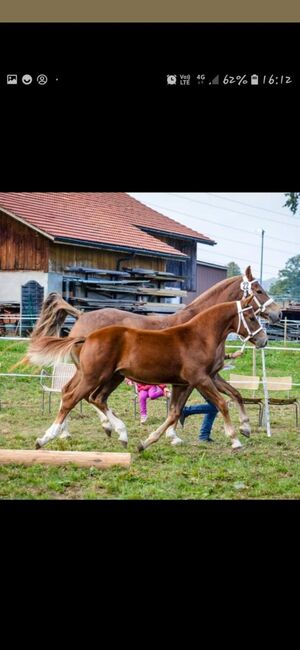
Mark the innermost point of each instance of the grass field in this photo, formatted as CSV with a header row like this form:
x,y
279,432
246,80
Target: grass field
x,y
266,468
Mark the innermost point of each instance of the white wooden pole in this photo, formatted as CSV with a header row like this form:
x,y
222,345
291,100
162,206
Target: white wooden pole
x,y
254,361
264,378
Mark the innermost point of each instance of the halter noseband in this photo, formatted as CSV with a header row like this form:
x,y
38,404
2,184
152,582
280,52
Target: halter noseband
x,y
247,291
243,321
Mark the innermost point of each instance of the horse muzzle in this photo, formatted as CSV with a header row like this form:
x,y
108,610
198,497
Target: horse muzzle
x,y
261,342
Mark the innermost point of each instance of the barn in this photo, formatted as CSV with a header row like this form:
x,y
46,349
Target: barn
x,y
207,274
97,249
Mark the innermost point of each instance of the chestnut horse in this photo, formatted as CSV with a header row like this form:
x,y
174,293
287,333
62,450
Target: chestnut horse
x,y
183,356
55,310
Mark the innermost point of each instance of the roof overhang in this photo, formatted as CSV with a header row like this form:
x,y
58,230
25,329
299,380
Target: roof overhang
x,y
175,235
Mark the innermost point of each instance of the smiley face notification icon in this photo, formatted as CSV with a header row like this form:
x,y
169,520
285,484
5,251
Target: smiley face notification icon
x,y
27,79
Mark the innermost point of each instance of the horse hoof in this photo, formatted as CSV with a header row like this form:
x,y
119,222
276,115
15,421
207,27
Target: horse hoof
x,y
124,443
38,444
177,441
245,431
108,432
141,447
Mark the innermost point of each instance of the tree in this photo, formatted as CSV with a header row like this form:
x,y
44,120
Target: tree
x,y
233,269
292,201
289,280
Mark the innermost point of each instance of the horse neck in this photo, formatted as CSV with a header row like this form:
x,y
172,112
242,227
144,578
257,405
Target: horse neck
x,y
225,291
218,323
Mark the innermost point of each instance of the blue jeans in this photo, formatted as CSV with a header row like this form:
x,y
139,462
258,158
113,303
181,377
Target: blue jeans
x,y
209,410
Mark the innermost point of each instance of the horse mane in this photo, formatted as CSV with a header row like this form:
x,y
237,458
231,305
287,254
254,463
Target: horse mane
x,y
53,314
216,288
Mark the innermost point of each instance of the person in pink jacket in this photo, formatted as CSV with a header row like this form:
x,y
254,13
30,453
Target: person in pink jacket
x,y
147,391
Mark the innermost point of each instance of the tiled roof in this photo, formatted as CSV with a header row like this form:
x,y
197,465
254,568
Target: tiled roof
x,y
109,218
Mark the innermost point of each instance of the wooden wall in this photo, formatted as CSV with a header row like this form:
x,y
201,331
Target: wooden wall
x,y
207,276
187,267
21,248
61,255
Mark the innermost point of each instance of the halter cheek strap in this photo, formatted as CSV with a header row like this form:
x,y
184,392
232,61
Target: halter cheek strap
x,y
243,321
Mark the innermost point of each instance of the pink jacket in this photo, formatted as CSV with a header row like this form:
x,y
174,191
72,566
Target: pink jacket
x,y
147,387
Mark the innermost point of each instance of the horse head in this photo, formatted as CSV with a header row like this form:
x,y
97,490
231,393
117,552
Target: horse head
x,y
249,327
262,303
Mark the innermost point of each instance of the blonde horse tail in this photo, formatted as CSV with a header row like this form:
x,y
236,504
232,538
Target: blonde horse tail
x,y
53,314
49,350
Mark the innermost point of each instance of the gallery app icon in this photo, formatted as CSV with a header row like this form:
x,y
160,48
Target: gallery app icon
x,y
27,79
12,79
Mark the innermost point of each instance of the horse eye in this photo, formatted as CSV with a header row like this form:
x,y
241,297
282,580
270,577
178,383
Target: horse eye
x,y
252,318
259,291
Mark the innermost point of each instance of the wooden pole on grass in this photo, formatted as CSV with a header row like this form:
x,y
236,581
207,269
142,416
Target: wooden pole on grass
x,y
101,460
264,378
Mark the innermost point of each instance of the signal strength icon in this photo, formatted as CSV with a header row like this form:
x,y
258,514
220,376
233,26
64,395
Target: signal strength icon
x,y
215,81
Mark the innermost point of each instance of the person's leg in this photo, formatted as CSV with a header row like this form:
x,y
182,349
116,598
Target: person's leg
x,y
209,410
155,391
207,423
143,396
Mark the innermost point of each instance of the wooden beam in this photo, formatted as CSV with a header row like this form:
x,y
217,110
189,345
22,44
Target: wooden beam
x,y
101,460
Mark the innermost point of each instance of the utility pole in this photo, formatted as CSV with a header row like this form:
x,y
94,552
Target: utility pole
x,y
261,255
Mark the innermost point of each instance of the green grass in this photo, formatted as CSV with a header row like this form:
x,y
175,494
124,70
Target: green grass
x,y
266,468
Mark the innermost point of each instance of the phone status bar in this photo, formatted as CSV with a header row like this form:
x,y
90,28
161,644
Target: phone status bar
x,y
230,80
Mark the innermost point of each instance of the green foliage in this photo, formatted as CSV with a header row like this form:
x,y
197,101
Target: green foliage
x,y
289,279
233,269
292,201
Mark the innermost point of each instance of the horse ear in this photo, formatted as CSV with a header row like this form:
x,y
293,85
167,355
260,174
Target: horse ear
x,y
248,274
246,301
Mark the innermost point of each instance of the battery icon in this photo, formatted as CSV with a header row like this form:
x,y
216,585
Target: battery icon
x,y
254,80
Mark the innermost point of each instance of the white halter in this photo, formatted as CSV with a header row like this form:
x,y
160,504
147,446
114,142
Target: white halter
x,y
247,291
243,321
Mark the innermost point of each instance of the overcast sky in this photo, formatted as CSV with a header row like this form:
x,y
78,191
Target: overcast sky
x,y
233,221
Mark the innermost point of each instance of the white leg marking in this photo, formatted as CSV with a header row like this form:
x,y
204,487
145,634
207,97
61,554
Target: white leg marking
x,y
64,430
170,432
117,425
236,444
50,434
177,441
103,419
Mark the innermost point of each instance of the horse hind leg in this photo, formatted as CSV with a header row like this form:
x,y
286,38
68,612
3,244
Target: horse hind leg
x,y
232,392
106,425
77,390
210,392
98,399
171,431
171,420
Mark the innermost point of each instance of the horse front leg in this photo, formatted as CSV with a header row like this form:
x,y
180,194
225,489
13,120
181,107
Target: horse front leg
x,y
226,388
177,402
171,431
207,388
